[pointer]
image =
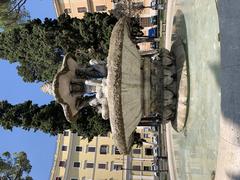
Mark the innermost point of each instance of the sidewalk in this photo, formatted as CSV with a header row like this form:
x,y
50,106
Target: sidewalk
x,y
193,153
169,24
228,167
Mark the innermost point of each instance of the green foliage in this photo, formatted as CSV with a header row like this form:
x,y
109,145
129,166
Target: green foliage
x,y
47,118
39,46
135,28
90,124
137,140
15,167
12,12
50,119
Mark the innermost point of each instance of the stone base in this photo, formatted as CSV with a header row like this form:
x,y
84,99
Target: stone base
x,y
182,81
160,86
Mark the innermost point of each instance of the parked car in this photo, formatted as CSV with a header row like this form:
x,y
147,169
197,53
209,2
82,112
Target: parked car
x,y
156,6
154,129
155,169
156,174
153,20
155,139
154,45
155,151
152,33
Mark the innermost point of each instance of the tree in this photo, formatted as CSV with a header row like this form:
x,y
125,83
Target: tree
x,y
137,140
12,12
39,46
15,167
50,119
90,124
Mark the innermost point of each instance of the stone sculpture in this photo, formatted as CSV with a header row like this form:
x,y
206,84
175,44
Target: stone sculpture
x,y
125,90
75,87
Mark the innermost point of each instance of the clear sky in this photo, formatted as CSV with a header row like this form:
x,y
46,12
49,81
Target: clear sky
x,y
40,147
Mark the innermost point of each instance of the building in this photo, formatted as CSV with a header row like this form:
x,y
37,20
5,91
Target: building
x,y
77,8
148,20
78,159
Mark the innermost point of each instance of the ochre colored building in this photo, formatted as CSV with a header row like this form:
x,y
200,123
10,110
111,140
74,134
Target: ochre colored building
x,y
77,8
78,159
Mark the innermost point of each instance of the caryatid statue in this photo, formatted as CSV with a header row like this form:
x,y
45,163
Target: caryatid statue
x,y
75,87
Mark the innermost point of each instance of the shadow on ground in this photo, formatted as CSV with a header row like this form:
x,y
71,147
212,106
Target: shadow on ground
x,y
233,176
180,52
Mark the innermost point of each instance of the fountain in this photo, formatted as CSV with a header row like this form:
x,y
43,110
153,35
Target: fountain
x,y
127,89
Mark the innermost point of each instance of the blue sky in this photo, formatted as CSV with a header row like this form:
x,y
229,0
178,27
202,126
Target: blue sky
x,y
40,147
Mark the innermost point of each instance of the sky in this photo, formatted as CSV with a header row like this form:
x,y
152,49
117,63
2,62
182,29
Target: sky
x,y
40,147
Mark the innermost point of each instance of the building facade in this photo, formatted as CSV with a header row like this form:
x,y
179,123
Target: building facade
x,y
77,8
78,159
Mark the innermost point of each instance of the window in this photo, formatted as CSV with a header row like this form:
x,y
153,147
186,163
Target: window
x,y
62,164
145,22
64,148
117,167
76,164
82,9
146,135
58,178
116,151
67,10
78,148
136,151
66,133
115,1
137,5
101,166
148,151
147,168
136,168
91,149
101,8
89,165
103,149
146,129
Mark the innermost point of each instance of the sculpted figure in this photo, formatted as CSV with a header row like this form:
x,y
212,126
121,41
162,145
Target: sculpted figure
x,y
97,69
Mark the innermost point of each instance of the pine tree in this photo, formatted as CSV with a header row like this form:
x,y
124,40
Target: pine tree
x,y
39,46
12,12
50,119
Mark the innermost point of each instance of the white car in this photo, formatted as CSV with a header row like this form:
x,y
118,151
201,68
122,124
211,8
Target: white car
x,y
154,129
155,139
155,169
155,151
156,6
